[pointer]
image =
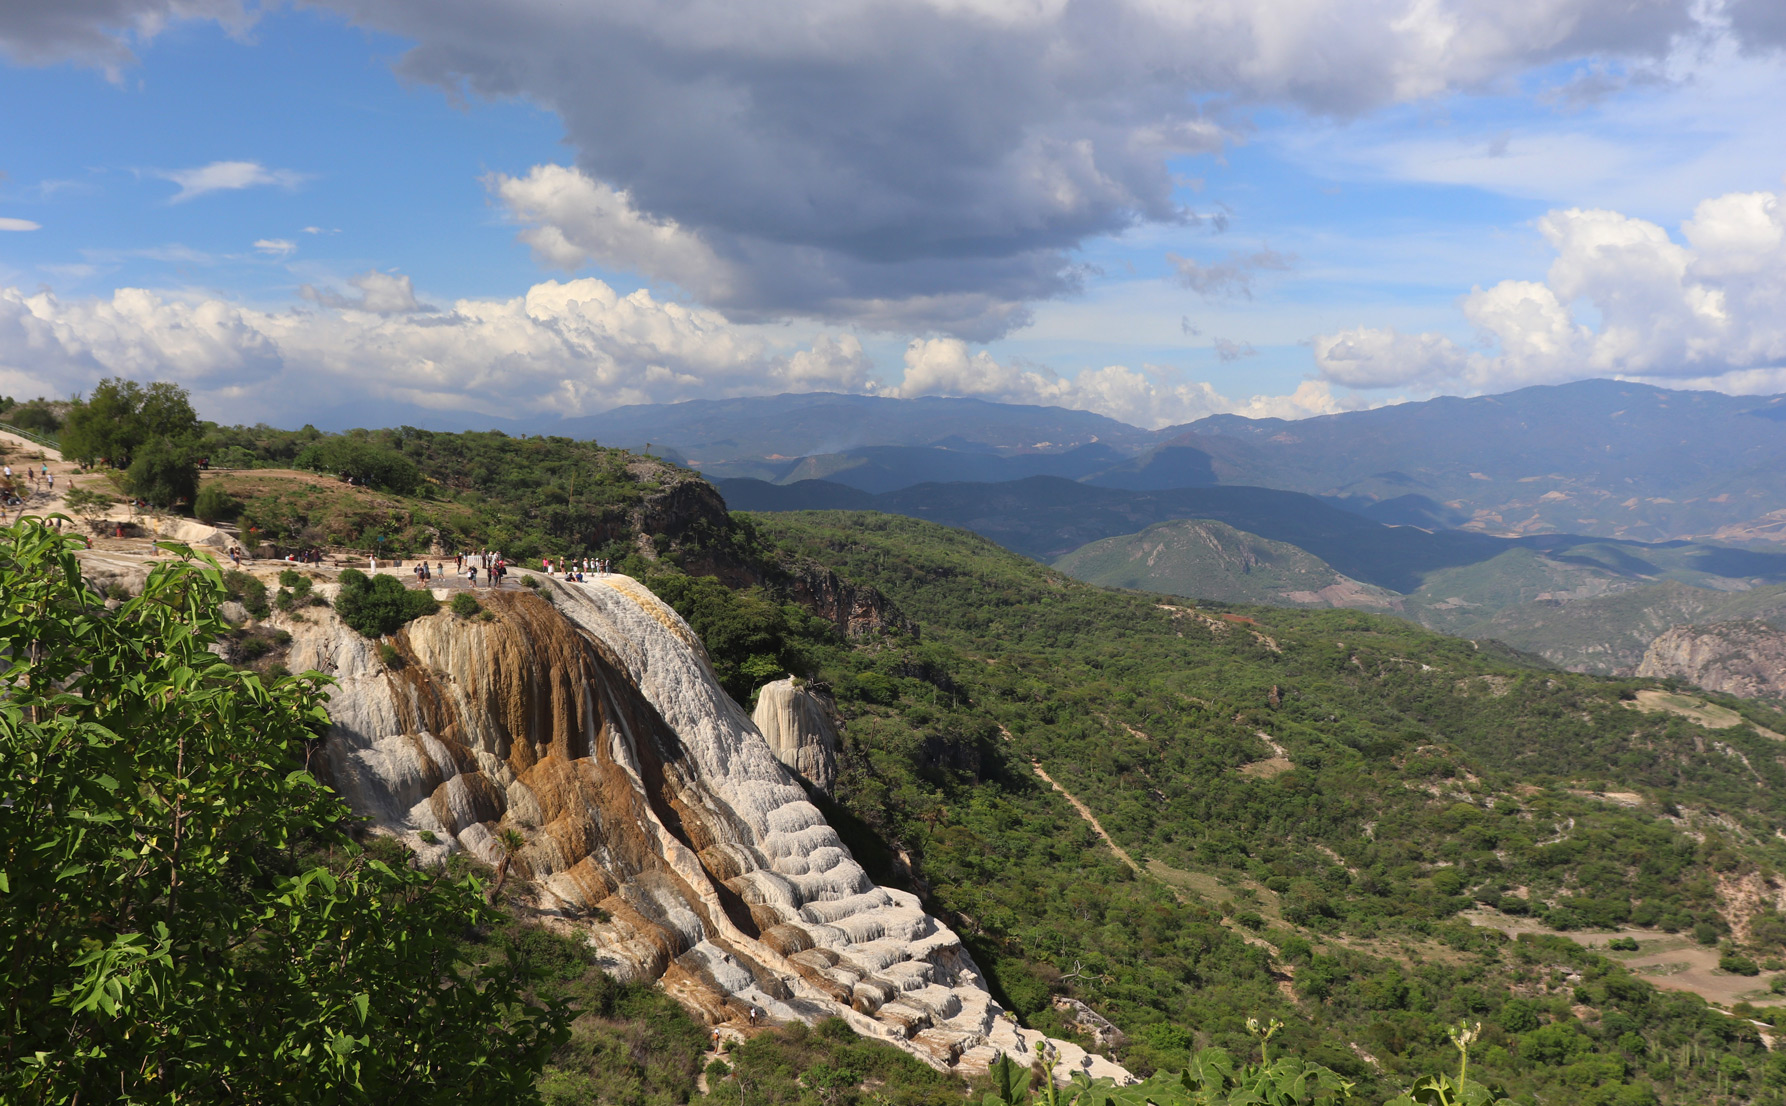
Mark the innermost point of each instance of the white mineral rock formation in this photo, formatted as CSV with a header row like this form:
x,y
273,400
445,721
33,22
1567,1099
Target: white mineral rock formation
x,y
657,821
797,725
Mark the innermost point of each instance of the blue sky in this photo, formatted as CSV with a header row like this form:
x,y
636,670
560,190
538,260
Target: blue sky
x,y
376,206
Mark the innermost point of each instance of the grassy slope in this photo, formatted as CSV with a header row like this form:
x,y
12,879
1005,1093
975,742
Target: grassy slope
x,y
1425,768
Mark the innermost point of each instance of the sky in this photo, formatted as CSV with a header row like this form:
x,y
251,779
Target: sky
x,y
353,212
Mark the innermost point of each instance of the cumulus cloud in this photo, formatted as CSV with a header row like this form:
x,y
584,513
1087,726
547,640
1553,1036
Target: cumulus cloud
x,y
933,165
562,348
1149,397
9,223
226,176
1231,276
1621,298
569,219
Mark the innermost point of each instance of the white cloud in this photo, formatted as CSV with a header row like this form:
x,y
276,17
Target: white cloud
x,y
18,224
275,247
1151,397
562,348
221,176
1622,298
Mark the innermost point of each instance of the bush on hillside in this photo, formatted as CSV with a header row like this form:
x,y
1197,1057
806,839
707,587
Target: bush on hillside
x,y
213,504
36,416
465,605
364,463
380,605
248,591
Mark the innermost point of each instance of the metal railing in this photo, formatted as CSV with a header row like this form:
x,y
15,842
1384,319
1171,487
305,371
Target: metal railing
x,y
32,435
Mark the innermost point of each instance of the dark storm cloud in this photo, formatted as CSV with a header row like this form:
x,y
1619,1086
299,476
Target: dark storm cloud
x,y
916,165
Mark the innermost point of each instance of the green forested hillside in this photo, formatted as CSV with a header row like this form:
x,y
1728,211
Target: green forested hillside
x,y
1310,798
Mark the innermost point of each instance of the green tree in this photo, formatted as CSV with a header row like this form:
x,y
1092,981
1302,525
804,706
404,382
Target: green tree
x,y
121,416
373,465
167,932
379,605
163,473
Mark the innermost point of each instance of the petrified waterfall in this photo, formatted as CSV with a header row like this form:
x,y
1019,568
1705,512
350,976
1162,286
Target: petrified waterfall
x,y
797,725
656,820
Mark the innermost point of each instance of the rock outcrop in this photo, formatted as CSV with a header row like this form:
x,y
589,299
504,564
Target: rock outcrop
x,y
797,724
1738,658
654,819
854,609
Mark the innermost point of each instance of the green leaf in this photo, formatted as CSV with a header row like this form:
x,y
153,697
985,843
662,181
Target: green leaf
x,y
362,1002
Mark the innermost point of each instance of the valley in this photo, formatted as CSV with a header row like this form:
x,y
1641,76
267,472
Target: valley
x,y
1062,801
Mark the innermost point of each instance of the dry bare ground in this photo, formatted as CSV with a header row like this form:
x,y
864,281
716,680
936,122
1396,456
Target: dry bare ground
x,y
1670,961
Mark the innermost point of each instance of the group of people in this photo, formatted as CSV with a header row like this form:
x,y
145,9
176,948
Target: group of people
x,y
494,566
14,486
573,568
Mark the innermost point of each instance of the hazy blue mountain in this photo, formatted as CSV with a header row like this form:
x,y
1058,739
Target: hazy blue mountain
x,y
1594,457
1046,517
764,436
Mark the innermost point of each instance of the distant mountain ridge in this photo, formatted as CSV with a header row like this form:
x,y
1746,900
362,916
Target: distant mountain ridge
x,y
1046,517
1596,457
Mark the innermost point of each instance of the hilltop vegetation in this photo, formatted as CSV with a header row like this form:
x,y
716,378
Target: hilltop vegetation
x,y
1423,774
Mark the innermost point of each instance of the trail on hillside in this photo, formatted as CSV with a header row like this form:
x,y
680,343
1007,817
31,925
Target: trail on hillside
x,y
1085,813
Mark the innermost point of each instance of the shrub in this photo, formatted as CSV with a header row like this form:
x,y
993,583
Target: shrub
x,y
248,591
389,656
465,605
531,581
290,578
213,504
1737,964
379,605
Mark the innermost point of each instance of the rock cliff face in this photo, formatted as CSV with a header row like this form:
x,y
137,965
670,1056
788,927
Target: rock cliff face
x,y
798,727
1738,658
655,819
855,610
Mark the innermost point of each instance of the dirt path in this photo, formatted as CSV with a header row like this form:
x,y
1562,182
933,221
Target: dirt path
x,y
1085,813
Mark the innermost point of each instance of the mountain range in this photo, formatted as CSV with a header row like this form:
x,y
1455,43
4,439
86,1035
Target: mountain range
x,y
1597,457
